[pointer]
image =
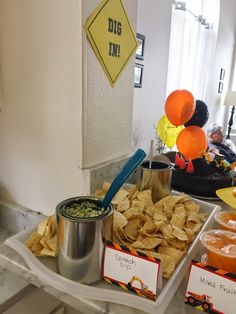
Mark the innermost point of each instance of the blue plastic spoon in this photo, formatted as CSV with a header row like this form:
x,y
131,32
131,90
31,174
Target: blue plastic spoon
x,y
125,172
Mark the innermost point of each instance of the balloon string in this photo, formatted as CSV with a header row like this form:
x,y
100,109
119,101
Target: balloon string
x,y
151,154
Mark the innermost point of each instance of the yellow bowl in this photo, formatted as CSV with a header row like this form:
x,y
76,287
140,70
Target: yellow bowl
x,y
228,196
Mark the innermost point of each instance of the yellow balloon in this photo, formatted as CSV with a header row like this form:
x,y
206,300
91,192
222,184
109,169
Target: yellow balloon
x,y
167,132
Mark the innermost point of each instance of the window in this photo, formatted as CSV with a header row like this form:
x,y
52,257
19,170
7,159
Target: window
x,y
194,29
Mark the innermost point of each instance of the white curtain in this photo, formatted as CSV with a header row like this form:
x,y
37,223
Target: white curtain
x,y
192,46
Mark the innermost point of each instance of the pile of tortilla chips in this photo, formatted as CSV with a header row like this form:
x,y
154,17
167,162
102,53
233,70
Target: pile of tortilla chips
x,y
163,230
43,242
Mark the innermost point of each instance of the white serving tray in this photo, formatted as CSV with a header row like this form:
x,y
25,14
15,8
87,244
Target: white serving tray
x,y
46,269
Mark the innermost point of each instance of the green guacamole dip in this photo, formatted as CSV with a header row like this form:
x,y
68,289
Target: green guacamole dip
x,y
84,210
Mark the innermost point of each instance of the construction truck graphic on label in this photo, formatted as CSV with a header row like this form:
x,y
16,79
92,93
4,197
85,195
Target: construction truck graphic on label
x,y
143,288
201,302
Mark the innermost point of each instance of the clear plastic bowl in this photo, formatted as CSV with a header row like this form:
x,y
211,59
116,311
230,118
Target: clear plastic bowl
x,y
221,249
226,220
204,259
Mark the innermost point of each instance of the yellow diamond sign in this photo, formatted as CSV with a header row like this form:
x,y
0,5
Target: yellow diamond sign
x,y
110,34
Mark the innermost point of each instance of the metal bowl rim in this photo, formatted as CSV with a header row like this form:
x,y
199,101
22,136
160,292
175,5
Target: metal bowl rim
x,y
109,211
170,166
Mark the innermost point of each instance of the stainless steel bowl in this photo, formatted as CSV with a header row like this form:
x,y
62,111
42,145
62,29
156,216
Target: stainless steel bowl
x,y
157,178
80,240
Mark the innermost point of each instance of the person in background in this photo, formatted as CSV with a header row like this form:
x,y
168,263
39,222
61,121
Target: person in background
x,y
224,146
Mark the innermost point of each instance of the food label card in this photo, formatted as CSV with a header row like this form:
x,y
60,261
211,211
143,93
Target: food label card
x,y
131,270
210,289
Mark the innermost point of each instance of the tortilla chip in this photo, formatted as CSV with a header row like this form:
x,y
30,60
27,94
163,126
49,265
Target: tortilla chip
x,y
38,253
159,215
147,243
52,243
106,185
167,231
179,209
163,243
151,243
52,225
123,206
172,252
193,222
169,205
178,244
140,237
180,199
34,238
119,220
133,195
138,204
120,196
169,211
166,203
46,252
150,210
42,226
132,228
100,192
131,189
146,197
149,229
37,246
159,224
132,211
193,217
115,238
138,245
44,243
142,219
179,234
190,234
192,207
195,227
121,235
178,220
47,232
168,263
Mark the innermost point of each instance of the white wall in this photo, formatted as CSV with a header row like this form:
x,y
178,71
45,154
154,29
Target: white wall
x,y
223,59
107,111
154,19
41,91
51,127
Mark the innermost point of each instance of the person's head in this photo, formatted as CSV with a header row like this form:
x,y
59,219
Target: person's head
x,y
215,133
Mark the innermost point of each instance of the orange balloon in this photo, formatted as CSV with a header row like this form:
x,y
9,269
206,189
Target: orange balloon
x,y
192,142
180,106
